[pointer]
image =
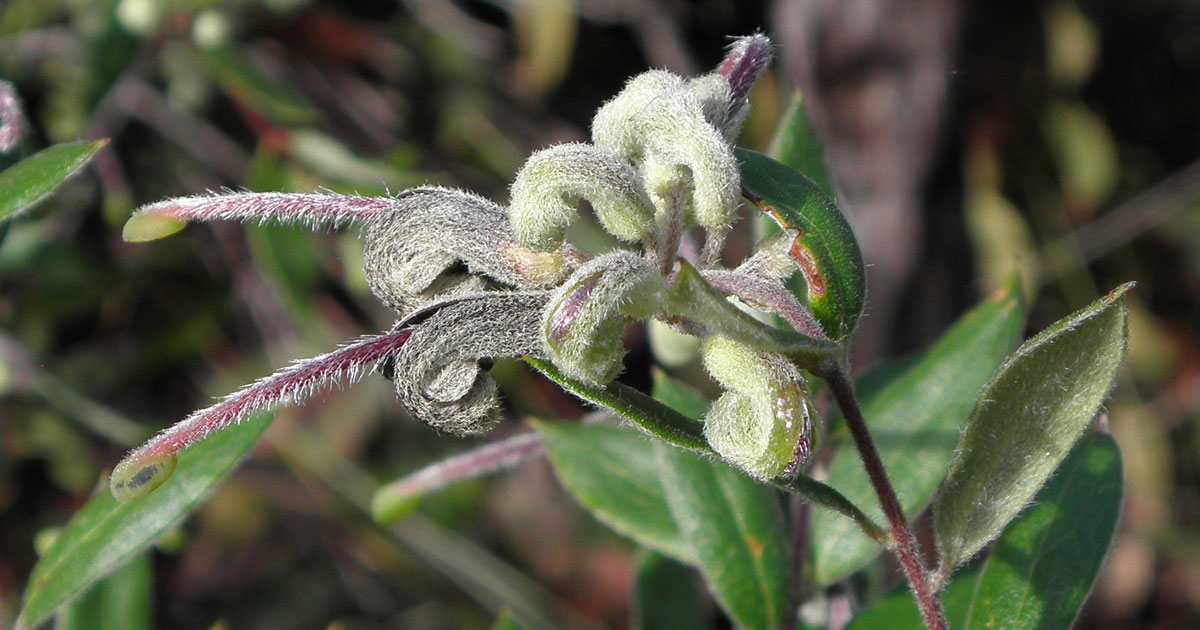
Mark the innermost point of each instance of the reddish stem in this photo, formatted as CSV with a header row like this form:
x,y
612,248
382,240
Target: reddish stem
x,y
903,542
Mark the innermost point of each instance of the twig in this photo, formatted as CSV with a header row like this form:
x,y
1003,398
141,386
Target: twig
x,y
904,544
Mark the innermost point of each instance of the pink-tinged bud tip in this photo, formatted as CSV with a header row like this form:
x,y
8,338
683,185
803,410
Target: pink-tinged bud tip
x,y
744,63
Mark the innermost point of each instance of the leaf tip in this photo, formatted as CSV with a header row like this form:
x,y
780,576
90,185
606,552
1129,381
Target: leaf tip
x,y
1118,292
150,226
137,476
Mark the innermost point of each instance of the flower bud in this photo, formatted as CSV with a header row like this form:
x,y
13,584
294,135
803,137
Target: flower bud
x,y
660,123
584,319
550,185
763,423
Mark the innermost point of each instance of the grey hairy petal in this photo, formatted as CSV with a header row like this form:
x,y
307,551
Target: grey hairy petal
x,y
437,373
430,230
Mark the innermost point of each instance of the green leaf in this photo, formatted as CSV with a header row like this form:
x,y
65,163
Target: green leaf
x,y
120,601
664,596
824,246
737,529
1028,417
898,611
795,145
105,534
678,395
649,414
31,180
1043,565
613,472
915,421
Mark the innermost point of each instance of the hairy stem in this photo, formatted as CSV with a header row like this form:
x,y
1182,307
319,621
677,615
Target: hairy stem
x,y
903,543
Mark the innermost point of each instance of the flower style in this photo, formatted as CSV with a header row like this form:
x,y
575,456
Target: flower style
x,y
474,281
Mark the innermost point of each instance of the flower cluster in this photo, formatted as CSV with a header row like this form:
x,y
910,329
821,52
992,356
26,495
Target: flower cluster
x,y
475,281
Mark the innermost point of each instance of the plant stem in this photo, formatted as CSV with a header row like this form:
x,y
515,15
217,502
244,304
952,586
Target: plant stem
x,y
904,544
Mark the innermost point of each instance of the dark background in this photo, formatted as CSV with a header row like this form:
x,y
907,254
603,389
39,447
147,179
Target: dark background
x,y
965,140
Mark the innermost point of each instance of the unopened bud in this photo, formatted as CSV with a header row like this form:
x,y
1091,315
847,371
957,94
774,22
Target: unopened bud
x,y
550,185
585,318
763,423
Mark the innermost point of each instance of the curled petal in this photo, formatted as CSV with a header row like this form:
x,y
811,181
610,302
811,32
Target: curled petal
x,y
428,231
148,466
585,318
659,122
166,217
550,185
763,422
438,375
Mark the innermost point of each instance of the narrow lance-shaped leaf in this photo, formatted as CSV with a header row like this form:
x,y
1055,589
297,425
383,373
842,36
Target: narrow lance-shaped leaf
x,y
31,180
823,246
1028,417
1043,565
105,534
613,472
915,421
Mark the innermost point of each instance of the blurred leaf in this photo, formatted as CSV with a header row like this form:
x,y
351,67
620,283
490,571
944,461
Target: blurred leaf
x,y
242,80
31,180
1027,419
613,472
1043,566
664,596
737,529
104,534
824,246
545,33
898,611
651,415
1085,153
915,421
678,395
506,621
120,601
795,144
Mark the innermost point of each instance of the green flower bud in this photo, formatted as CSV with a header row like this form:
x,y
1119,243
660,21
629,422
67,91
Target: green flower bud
x,y
584,319
660,123
550,185
763,423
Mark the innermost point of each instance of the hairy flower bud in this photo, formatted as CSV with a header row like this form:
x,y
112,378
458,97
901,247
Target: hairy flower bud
x,y
584,320
763,423
660,123
430,230
550,185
